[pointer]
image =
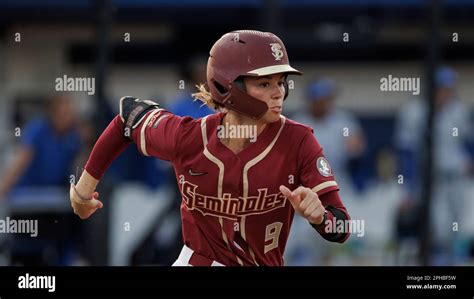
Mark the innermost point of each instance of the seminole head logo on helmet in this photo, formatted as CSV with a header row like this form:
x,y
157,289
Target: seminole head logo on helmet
x,y
276,51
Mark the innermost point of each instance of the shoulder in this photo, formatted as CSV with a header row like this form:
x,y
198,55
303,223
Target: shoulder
x,y
200,122
193,127
185,122
168,120
296,126
296,131
301,139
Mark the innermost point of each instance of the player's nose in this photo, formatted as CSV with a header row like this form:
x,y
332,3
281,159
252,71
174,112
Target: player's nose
x,y
278,92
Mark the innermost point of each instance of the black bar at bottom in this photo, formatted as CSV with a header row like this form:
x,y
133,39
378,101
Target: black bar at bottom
x,y
170,282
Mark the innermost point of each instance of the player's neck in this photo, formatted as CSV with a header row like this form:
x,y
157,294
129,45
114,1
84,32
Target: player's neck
x,y
233,120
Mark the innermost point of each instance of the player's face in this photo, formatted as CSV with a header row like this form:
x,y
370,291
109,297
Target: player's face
x,y
443,95
269,89
322,107
62,114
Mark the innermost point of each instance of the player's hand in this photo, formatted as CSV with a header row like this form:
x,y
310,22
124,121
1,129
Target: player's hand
x,y
83,206
306,203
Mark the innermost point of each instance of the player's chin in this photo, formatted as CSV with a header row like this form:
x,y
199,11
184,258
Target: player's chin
x,y
272,116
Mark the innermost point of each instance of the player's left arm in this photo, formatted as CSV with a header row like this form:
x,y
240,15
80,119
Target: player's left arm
x,y
317,199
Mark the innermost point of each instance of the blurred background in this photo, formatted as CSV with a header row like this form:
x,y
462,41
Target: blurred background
x,y
377,141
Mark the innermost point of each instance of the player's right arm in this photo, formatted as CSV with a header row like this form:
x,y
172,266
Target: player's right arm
x,y
154,131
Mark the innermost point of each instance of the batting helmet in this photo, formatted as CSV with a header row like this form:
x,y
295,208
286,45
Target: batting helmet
x,y
245,53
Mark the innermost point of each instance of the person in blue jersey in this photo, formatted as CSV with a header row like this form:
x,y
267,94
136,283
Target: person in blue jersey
x,y
44,160
451,165
48,148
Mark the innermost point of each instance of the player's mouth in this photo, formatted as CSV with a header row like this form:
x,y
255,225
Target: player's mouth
x,y
276,109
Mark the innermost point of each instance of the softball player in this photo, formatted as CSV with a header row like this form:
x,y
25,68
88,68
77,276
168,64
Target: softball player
x,y
239,195
451,161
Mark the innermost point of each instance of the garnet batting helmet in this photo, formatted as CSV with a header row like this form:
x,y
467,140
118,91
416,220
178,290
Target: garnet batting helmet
x,y
245,53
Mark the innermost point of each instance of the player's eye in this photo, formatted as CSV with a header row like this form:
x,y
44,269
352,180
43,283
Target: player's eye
x,y
264,84
281,83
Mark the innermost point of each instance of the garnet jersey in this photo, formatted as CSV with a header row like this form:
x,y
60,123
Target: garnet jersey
x,y
232,210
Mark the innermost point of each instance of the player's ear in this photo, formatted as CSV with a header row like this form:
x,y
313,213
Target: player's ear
x,y
287,88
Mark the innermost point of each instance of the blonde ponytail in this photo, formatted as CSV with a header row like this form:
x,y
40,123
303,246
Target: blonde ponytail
x,y
205,96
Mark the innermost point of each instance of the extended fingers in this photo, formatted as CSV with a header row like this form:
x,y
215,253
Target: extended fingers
x,y
287,192
313,206
317,216
294,199
99,205
310,206
308,199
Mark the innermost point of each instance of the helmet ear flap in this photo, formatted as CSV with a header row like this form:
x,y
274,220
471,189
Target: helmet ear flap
x,y
287,91
239,82
221,89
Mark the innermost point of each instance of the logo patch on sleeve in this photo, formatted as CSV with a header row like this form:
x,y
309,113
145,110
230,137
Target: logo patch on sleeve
x,y
323,167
